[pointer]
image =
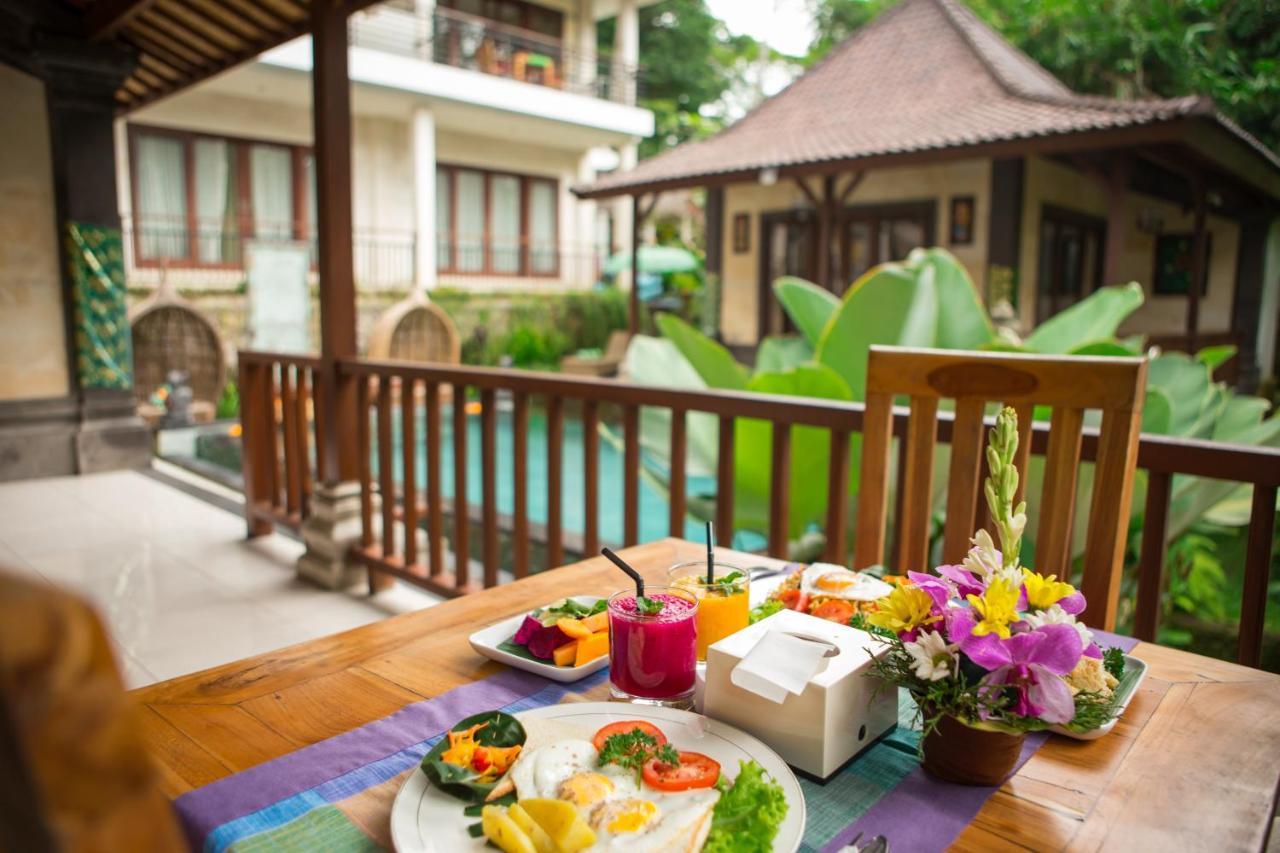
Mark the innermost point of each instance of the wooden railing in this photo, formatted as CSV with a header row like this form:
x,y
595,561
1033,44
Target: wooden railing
x,y
279,469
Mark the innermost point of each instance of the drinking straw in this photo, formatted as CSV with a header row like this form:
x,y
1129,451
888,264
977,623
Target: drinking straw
x,y
711,555
622,564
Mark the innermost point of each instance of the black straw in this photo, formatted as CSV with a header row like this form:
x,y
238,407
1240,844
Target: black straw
x,y
711,555
622,564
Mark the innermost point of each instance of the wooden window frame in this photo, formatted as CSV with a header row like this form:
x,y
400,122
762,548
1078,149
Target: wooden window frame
x,y
240,146
953,208
1190,236
741,233
447,262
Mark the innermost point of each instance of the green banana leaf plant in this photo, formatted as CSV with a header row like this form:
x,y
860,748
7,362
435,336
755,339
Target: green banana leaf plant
x,y
927,300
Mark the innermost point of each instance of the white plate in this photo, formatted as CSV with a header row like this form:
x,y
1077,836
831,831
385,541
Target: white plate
x,y
1127,691
486,641
426,820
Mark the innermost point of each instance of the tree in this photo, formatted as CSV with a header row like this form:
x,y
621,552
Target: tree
x,y
1227,49
689,60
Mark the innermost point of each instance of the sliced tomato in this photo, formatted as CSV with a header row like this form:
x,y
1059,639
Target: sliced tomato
x,y
834,610
695,770
628,726
794,599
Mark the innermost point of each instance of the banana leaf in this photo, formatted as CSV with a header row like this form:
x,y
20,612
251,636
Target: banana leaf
x,y
1093,319
809,306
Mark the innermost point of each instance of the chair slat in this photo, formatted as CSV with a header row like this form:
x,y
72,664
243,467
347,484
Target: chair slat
x,y
964,488
289,434
461,505
873,481
1257,570
520,476
1057,503
631,475
917,486
679,453
555,470
435,490
724,480
489,484
779,490
837,550
1151,563
386,473
1109,512
364,453
409,472
591,478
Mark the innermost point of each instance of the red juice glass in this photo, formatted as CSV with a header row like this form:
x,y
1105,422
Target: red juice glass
x,y
653,658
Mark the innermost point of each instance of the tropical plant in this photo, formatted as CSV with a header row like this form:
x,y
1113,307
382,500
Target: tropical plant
x,y
928,300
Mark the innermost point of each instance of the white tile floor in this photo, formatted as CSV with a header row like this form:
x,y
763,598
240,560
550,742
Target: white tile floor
x,y
177,584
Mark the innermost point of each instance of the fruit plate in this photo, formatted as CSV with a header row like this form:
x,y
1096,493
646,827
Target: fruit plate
x,y
1134,671
426,820
490,641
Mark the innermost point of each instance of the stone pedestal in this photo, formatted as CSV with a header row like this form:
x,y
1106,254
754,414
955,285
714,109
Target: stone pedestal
x,y
330,531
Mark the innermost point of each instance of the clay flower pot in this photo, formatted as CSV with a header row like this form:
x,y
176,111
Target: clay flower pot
x,y
957,752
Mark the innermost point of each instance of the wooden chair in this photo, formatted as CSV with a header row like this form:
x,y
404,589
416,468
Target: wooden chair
x,y
1069,385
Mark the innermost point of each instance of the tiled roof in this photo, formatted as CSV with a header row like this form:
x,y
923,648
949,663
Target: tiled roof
x,y
925,75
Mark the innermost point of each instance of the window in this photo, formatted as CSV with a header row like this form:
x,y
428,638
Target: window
x,y
1072,246
496,222
198,198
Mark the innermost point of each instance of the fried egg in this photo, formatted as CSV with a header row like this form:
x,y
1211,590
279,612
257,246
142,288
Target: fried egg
x,y
827,580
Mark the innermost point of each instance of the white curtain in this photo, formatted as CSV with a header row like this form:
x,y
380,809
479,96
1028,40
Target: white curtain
x,y
444,219
309,170
161,217
271,184
504,223
542,227
470,221
216,226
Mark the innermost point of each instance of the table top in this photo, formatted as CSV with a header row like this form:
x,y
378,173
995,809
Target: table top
x,y
1194,763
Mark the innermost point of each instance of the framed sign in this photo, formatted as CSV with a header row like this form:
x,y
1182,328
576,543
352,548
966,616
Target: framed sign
x,y
741,233
1174,256
279,296
962,210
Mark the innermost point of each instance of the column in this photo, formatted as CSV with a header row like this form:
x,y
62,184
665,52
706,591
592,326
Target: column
x,y
627,159
424,195
626,51
584,248
585,47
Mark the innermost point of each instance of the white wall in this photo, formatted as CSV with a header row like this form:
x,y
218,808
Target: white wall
x,y
33,360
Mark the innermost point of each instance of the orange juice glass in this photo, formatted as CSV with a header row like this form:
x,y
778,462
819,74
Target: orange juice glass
x,y
724,606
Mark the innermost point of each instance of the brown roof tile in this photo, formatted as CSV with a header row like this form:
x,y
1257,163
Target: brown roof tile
x,y
926,74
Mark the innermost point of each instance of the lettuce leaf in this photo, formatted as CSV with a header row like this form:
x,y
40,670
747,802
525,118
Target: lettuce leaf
x,y
748,814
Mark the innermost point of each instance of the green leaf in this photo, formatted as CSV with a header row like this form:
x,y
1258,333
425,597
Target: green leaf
x,y
778,353
1093,319
1186,384
962,320
810,307
713,363
1112,348
1157,412
461,782
1215,357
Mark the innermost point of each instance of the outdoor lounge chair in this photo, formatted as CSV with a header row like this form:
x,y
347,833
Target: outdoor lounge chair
x,y
605,365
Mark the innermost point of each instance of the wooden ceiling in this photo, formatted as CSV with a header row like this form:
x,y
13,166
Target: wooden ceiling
x,y
180,42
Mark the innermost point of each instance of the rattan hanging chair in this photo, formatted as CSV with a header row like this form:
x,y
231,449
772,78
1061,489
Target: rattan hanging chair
x,y
416,329
170,334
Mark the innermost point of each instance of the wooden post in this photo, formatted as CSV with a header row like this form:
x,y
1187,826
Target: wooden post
x,y
633,320
1199,257
1117,186
331,110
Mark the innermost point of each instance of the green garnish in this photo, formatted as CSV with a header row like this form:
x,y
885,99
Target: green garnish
x,y
859,621
765,609
646,606
632,749
571,609
727,585
1113,662
748,814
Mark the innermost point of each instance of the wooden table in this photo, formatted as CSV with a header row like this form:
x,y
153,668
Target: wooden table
x,y
1194,764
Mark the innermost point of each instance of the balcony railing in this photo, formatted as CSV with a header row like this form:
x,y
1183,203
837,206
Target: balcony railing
x,y
405,412
467,41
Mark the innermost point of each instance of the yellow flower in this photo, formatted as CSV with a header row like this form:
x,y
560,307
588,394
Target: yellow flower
x,y
1043,592
904,609
997,607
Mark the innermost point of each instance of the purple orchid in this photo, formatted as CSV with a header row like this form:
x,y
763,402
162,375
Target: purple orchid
x,y
938,589
1034,663
965,581
1073,603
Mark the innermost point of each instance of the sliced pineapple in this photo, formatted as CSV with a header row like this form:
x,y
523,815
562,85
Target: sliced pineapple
x,y
566,828
541,841
504,832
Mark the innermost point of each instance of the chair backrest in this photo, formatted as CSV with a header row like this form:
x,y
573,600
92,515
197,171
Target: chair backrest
x,y
416,330
170,335
1069,386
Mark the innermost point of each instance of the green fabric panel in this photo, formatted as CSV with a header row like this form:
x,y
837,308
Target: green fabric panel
x,y
325,828
104,345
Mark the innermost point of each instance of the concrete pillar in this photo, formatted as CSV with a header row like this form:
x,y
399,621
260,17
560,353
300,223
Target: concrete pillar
x,y
626,50
584,234
424,194
627,158
584,47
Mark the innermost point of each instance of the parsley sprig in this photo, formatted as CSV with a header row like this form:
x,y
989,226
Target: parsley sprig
x,y
727,585
1113,661
631,750
646,606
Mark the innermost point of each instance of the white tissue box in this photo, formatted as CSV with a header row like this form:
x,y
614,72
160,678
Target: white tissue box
x,y
837,714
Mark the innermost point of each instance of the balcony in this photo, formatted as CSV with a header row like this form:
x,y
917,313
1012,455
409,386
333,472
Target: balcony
x,y
459,40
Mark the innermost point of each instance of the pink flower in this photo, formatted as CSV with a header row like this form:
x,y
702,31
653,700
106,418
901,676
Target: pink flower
x,y
938,589
1033,663
966,582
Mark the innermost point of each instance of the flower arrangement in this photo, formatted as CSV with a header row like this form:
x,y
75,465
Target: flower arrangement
x,y
991,643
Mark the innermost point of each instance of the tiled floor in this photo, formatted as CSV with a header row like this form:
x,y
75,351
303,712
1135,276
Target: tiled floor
x,y
172,575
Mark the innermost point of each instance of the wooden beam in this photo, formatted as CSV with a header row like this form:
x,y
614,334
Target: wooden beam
x,y
826,213
854,180
331,114
1117,218
1199,257
803,184
633,311
105,18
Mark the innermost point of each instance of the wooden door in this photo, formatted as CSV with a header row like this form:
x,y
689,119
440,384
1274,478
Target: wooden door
x,y
787,247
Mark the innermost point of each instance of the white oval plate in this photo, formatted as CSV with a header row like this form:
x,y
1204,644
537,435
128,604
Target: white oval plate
x,y
426,820
487,642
